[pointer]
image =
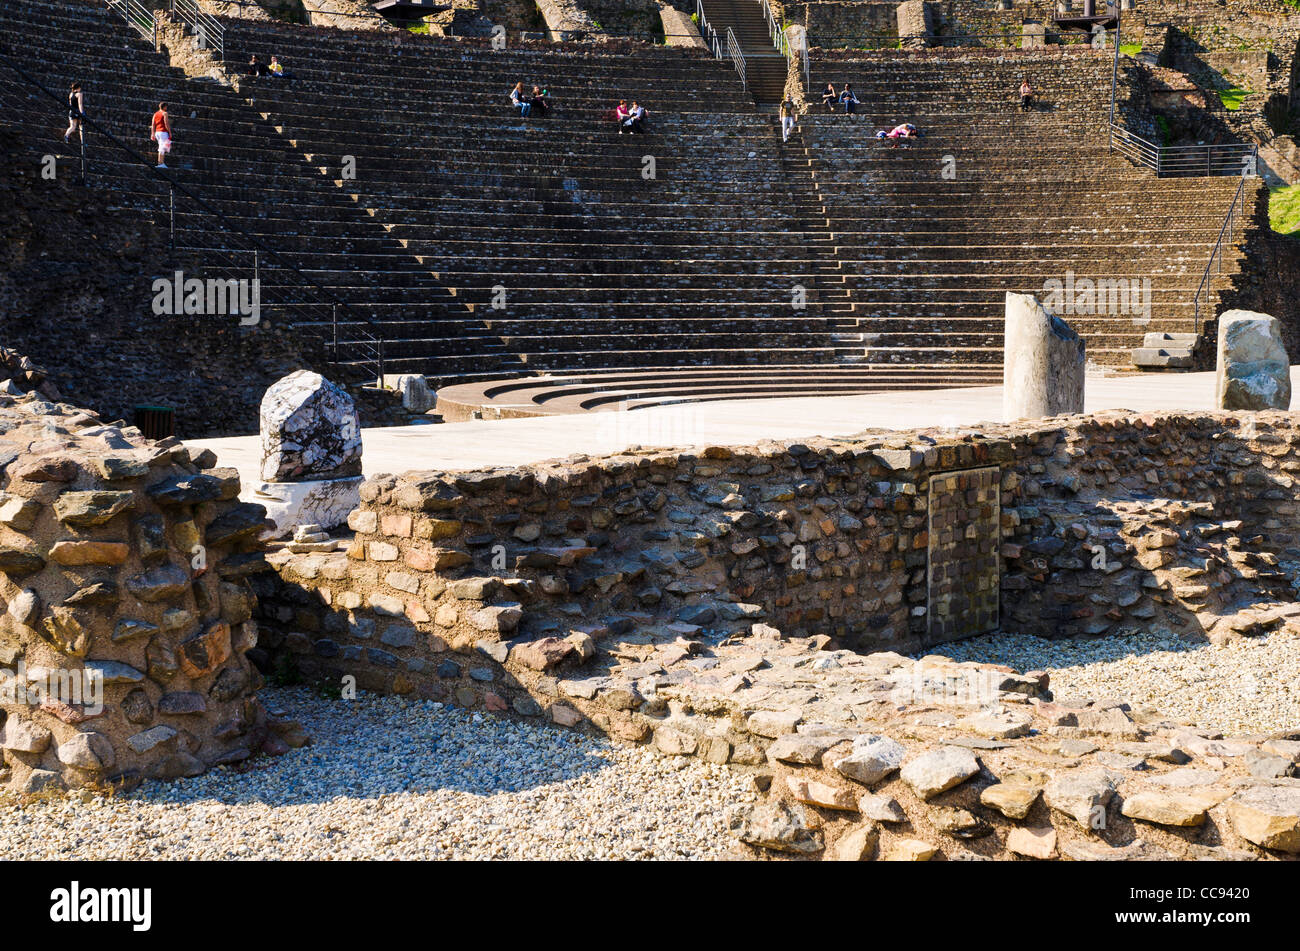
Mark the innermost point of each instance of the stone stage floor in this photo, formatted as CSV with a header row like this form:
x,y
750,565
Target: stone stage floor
x,y
512,442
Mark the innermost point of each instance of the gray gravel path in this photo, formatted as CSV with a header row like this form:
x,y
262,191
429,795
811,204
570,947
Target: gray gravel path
x,y
389,778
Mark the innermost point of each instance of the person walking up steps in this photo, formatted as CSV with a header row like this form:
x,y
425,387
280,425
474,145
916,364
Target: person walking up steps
x,y
76,112
161,131
787,118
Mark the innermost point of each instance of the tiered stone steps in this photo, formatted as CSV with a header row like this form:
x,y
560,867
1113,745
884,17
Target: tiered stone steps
x,y
618,390
992,199
482,246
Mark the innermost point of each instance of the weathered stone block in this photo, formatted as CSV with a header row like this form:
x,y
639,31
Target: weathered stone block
x,y
1043,364
1252,370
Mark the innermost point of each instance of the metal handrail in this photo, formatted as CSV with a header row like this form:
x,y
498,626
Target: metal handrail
x,y
737,57
138,16
891,41
707,32
208,30
774,30
1216,253
1226,158
371,345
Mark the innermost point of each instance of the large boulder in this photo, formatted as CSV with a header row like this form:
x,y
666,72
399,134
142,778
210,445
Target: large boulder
x,y
1044,362
1252,369
310,430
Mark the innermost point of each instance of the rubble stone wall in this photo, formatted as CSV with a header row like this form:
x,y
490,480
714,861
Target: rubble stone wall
x,y
122,560
1107,523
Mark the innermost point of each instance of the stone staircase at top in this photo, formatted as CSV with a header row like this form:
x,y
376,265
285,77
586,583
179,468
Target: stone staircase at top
x,y
930,235
765,67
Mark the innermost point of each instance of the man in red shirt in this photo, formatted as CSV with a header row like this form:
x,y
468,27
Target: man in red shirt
x,y
162,132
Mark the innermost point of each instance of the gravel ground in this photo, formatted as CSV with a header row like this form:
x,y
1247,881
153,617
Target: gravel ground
x,y
389,778
1248,686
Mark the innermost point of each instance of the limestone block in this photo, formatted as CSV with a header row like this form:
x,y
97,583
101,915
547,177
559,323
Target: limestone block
x,y
1252,370
310,430
1043,367
416,395
323,502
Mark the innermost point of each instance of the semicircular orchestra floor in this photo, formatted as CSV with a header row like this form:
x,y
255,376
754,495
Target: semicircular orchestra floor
x,y
615,390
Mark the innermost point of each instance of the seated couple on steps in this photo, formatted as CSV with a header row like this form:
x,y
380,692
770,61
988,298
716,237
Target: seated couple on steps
x,y
262,69
630,119
846,97
536,103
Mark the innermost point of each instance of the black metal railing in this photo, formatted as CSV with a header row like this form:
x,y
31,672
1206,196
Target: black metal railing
x,y
1215,265
209,32
230,253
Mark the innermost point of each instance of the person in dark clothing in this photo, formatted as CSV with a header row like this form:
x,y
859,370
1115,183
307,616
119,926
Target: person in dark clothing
x,y
830,96
76,112
540,101
849,99
255,68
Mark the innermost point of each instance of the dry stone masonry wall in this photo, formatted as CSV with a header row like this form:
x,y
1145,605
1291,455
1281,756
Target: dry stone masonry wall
x,y
649,596
127,613
473,587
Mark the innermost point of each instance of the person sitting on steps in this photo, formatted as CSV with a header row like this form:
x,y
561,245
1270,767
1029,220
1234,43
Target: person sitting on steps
x,y
519,100
621,114
1026,95
278,71
849,99
255,68
539,101
635,121
829,97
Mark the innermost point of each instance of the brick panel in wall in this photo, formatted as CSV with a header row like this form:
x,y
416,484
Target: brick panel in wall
x,y
962,571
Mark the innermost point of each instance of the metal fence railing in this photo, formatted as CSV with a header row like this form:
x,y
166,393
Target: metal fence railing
x,y
774,30
707,32
1215,264
737,57
138,16
1184,161
209,33
874,41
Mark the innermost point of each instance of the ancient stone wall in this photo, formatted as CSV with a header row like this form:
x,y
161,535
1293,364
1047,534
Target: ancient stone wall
x,y
1103,524
126,610
648,597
